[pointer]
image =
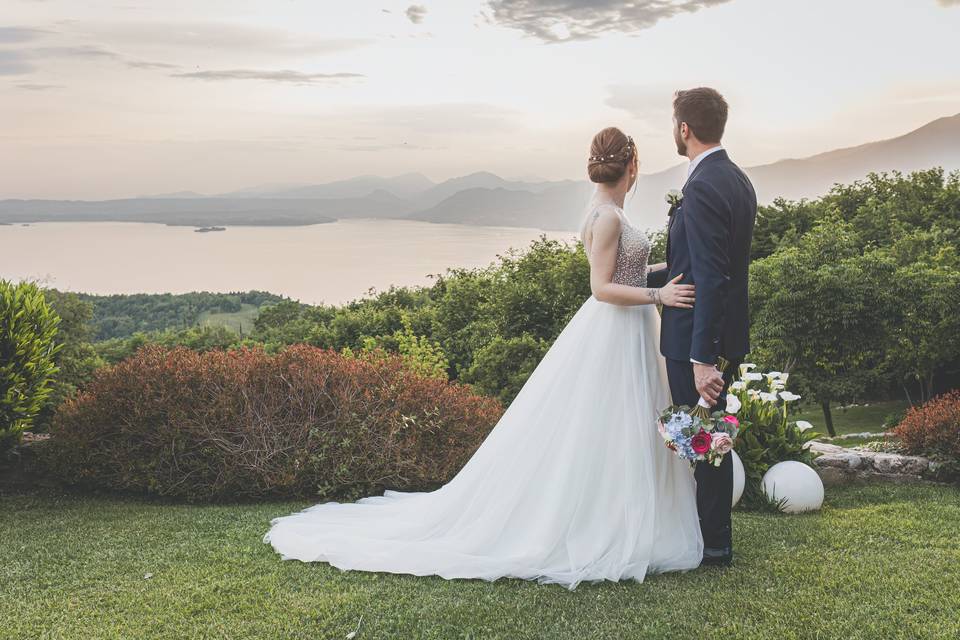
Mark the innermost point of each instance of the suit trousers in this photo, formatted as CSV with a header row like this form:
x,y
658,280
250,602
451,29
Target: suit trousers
x,y
714,484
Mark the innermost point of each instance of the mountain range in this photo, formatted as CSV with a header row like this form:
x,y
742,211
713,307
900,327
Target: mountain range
x,y
487,199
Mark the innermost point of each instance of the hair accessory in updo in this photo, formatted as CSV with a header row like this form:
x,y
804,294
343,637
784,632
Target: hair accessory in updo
x,y
622,156
611,151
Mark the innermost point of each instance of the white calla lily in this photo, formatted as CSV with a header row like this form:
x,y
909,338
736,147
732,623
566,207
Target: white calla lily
x,y
787,396
752,376
768,397
733,403
738,385
745,367
803,425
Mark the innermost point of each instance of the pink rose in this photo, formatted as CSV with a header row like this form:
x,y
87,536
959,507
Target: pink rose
x,y
732,420
700,443
722,443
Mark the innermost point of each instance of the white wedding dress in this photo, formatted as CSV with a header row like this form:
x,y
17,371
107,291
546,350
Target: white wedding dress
x,y
573,484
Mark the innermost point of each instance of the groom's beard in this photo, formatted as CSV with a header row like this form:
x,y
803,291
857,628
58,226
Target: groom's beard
x,y
681,145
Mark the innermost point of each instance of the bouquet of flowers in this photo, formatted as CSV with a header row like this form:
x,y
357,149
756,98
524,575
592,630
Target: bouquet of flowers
x,y
698,435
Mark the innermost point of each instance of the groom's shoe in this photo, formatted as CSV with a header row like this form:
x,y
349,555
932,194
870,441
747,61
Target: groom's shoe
x,y
717,557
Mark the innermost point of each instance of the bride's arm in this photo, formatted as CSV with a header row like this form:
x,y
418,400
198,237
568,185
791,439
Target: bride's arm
x,y
603,262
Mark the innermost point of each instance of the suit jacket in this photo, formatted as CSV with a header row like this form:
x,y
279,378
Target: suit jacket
x,y
708,241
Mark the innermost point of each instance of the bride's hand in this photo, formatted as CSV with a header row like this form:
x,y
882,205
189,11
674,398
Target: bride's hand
x,y
677,295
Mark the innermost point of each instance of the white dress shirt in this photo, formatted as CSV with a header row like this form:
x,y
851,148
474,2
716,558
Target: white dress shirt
x,y
693,165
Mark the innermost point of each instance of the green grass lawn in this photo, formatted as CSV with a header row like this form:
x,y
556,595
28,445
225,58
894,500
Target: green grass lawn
x,y
850,443
239,320
881,561
857,419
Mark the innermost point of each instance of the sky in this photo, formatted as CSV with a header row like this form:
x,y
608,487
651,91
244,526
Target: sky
x,y
107,99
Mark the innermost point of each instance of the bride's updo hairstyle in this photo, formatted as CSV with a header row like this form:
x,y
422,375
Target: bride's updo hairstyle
x,y
611,152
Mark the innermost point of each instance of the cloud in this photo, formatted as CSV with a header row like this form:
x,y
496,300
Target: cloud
x,y
13,35
28,86
416,13
143,64
93,52
205,37
563,20
641,101
439,119
80,51
398,146
282,75
179,41
14,63
650,106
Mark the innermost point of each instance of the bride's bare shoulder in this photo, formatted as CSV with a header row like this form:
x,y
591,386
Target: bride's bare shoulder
x,y
602,221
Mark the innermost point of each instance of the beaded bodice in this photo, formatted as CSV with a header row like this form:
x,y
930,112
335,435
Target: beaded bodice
x,y
633,251
632,254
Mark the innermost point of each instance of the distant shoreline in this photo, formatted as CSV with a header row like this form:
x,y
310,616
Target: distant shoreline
x,y
572,232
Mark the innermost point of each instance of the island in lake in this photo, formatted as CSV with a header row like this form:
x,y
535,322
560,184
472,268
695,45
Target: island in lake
x,y
209,229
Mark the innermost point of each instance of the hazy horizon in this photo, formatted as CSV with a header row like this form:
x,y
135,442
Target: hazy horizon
x,y
113,101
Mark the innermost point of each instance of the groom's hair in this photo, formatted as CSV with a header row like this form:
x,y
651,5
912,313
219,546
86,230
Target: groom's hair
x,y
704,110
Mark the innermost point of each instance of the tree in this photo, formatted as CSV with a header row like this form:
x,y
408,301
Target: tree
x,y
502,366
76,358
820,310
782,223
926,334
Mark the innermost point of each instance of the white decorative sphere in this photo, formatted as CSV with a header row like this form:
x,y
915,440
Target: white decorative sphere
x,y
796,483
739,477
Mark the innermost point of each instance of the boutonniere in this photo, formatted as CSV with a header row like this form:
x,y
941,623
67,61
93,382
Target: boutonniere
x,y
674,198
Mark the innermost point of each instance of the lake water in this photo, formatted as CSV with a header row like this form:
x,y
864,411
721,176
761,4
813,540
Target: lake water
x,y
330,263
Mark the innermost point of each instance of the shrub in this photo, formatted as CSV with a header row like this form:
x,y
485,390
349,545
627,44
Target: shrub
x,y
28,328
420,354
245,423
933,429
501,367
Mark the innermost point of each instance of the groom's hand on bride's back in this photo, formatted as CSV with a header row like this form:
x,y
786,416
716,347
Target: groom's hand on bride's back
x,y
709,382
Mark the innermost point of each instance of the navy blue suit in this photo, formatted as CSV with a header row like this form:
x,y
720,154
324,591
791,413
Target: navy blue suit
x,y
708,241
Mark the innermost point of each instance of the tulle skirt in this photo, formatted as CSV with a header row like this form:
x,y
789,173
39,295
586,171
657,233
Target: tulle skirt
x,y
573,484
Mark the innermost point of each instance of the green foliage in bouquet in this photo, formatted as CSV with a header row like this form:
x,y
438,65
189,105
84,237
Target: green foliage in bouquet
x,y
28,328
767,436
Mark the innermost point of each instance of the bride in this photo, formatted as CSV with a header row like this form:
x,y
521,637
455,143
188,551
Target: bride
x,y
574,482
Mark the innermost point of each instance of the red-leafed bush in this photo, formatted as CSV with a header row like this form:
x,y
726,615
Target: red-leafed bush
x,y
240,424
934,428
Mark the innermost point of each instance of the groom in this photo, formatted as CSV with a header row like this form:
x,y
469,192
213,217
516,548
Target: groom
x,y
708,241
